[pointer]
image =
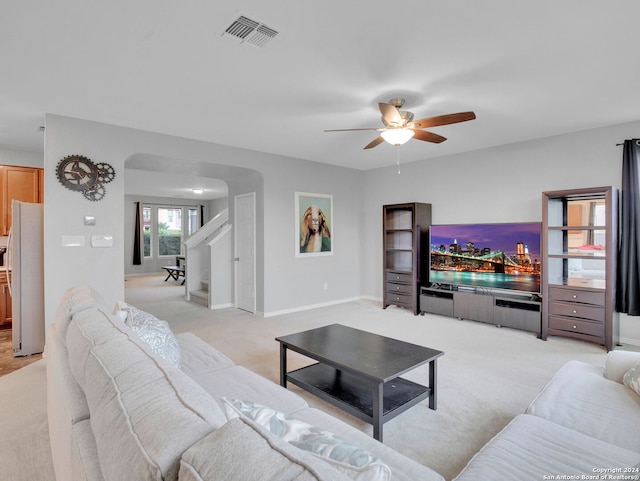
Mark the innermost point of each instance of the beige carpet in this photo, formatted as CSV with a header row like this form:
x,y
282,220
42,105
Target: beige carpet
x,y
25,454
487,376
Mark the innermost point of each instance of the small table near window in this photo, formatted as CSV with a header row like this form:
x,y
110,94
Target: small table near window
x,y
175,272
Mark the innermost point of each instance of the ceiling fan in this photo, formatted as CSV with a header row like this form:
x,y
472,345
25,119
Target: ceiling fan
x,y
399,125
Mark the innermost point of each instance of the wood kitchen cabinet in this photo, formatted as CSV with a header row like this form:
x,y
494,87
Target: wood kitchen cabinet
x,y
5,302
18,183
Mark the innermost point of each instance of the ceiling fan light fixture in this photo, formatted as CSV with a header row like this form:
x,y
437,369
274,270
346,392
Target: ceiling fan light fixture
x,y
397,136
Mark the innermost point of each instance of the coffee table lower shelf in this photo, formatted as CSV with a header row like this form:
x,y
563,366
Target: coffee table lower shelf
x,y
354,394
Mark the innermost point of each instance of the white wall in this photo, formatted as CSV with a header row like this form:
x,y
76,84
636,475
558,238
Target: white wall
x,y
501,184
217,205
22,158
292,282
283,281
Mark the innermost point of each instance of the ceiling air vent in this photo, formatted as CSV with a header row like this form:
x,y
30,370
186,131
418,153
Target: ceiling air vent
x,y
250,31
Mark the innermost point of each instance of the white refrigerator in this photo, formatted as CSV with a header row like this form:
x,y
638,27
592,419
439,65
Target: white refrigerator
x,y
25,267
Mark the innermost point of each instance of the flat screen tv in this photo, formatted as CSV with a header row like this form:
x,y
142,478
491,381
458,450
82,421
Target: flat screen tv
x,y
491,256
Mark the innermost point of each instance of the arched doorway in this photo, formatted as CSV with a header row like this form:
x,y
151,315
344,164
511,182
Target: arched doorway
x,y
144,169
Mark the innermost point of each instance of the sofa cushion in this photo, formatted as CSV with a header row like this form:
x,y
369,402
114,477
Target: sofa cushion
x,y
530,447
240,451
87,465
240,383
198,357
66,407
74,300
618,363
631,378
581,398
144,413
91,327
62,387
348,458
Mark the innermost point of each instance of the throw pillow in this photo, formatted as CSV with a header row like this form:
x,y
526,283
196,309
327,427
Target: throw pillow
x,y
121,310
355,462
154,333
632,378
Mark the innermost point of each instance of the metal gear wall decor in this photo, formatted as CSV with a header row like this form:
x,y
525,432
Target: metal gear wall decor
x,y
79,173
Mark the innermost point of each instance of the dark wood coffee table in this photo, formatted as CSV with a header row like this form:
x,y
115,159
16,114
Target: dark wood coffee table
x,y
359,372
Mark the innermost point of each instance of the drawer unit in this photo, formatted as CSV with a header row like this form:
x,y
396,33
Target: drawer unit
x,y
577,313
400,299
437,305
575,295
405,278
577,326
570,309
399,288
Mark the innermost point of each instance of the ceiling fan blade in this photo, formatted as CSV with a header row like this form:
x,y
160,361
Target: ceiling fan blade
x,y
428,136
352,130
444,120
390,114
375,142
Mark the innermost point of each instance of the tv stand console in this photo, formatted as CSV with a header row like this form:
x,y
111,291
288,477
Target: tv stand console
x,y
515,310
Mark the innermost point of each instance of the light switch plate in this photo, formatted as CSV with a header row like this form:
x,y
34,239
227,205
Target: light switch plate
x,y
73,240
101,241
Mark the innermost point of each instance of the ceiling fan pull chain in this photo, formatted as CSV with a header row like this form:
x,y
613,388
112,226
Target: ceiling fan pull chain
x,y
398,158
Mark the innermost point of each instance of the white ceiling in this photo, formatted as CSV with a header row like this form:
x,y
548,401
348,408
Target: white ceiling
x,y
528,70
161,184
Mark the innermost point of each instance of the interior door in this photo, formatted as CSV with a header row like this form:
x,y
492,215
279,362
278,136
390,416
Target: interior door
x,y
245,248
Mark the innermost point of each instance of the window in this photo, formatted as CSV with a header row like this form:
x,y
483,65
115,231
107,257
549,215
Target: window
x,y
600,219
193,221
146,230
165,228
169,231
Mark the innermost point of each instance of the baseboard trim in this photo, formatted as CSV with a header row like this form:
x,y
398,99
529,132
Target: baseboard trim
x,y
372,298
631,341
222,306
311,306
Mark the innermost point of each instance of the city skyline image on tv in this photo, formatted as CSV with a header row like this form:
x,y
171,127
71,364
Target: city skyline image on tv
x,y
501,255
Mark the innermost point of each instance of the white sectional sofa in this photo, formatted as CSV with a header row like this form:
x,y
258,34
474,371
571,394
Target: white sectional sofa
x,y
120,410
585,424
123,405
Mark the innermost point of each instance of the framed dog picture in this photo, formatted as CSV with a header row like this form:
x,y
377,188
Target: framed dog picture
x,y
314,224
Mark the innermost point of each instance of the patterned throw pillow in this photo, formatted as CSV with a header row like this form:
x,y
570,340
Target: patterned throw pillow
x,y
355,462
155,333
632,378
